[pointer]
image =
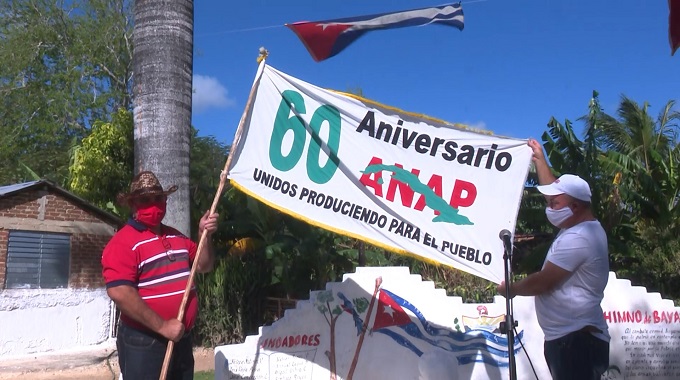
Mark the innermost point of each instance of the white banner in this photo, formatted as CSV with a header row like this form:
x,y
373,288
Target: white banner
x,y
402,181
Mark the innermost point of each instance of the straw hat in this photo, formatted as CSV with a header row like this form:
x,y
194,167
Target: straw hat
x,y
145,183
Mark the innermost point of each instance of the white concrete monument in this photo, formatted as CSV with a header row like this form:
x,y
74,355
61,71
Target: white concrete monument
x,y
384,323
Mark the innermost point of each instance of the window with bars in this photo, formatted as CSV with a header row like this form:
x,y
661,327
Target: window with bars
x,y
37,260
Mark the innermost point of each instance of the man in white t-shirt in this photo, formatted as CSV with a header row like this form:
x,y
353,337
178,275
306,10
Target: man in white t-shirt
x,y
570,286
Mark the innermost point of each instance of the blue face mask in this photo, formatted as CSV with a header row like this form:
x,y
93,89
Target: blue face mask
x,y
558,217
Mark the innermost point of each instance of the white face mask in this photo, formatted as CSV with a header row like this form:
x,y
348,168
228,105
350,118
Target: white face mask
x,y
557,217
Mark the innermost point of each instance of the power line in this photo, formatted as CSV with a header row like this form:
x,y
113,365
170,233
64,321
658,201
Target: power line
x,y
238,30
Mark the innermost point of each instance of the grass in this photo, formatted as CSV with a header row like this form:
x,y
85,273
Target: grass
x,y
204,375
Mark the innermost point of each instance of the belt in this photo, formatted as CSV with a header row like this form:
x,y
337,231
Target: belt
x,y
590,329
151,333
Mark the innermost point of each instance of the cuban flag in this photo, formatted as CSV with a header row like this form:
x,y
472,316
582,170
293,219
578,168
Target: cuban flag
x,y
474,346
324,39
674,24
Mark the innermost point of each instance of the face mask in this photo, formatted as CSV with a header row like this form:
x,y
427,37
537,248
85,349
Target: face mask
x,y
557,217
152,214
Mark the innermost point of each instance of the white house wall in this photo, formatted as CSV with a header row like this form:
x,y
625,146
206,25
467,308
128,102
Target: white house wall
x,y
33,321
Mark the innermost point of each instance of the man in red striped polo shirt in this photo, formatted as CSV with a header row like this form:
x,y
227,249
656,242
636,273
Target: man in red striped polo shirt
x,y
146,268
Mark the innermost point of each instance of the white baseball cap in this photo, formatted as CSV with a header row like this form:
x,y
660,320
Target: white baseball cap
x,y
569,184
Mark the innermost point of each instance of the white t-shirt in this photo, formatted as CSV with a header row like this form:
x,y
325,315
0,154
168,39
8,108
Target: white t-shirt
x,y
581,250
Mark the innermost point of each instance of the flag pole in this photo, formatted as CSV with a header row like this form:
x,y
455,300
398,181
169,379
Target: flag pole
x,y
223,179
355,360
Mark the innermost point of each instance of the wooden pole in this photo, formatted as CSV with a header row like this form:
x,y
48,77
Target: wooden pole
x,y
223,180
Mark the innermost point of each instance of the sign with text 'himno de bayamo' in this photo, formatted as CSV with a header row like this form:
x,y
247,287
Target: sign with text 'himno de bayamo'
x,y
402,181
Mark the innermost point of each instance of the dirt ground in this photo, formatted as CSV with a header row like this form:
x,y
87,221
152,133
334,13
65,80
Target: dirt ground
x,y
106,370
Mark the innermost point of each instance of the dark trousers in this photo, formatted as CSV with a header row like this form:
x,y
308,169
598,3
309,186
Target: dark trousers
x,y
577,356
141,355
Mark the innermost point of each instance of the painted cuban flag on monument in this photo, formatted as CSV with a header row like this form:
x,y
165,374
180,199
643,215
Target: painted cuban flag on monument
x,y
324,39
406,182
413,331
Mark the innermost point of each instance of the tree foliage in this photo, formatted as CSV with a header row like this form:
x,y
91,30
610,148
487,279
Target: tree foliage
x,y
644,150
102,164
208,157
300,257
63,64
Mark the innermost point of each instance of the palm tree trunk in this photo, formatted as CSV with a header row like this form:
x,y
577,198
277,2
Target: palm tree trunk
x,y
162,88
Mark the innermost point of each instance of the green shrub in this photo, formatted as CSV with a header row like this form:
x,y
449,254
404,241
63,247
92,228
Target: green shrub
x,y
231,300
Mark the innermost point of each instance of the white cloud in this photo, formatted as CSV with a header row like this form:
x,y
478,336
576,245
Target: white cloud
x,y
209,93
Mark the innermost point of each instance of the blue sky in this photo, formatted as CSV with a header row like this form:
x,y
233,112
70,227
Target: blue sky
x,y
516,63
